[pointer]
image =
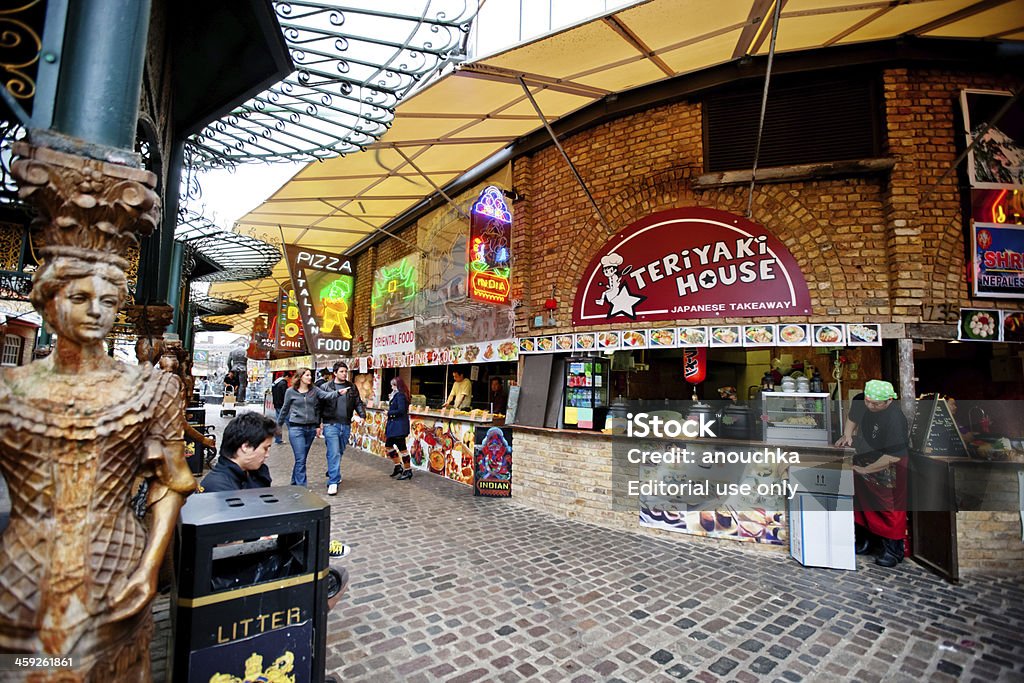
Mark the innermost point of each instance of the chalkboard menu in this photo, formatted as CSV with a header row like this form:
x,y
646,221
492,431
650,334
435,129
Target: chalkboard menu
x,y
935,431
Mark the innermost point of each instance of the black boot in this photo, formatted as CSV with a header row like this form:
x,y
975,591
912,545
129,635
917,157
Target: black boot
x,y
395,472
862,540
892,552
404,476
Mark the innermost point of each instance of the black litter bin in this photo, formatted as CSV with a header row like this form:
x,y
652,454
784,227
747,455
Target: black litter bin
x,y
251,591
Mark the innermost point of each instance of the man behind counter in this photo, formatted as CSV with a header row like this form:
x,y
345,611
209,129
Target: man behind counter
x,y
877,429
461,395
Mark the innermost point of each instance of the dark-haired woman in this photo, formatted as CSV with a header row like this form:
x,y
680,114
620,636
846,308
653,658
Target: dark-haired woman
x,y
397,429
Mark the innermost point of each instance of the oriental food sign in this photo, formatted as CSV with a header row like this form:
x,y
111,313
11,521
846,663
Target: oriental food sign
x,y
690,263
490,236
323,287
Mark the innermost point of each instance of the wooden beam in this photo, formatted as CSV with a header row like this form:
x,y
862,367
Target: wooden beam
x,y
617,25
785,174
760,12
948,19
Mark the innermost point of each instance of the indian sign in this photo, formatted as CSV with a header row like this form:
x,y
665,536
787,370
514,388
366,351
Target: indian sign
x,y
323,287
690,263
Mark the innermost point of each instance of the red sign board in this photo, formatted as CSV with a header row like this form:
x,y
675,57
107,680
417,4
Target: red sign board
x,y
690,263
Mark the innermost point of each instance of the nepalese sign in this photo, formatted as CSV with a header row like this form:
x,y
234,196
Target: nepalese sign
x,y
324,286
690,263
489,257
998,260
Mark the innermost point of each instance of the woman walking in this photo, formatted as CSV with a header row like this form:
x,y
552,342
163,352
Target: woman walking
x,y
301,413
397,429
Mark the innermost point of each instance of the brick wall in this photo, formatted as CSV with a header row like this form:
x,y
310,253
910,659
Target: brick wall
x,y
989,541
871,248
569,474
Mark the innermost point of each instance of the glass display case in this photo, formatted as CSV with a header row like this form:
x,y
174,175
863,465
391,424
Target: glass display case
x,y
796,418
586,392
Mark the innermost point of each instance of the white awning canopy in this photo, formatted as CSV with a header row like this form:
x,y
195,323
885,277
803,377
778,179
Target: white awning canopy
x,y
469,115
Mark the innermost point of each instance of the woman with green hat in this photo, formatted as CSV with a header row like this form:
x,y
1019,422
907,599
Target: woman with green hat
x,y
877,429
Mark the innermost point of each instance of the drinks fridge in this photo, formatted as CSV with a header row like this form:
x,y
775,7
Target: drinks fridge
x,y
586,392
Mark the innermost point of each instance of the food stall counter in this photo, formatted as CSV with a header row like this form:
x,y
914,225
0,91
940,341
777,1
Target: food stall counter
x,y
441,442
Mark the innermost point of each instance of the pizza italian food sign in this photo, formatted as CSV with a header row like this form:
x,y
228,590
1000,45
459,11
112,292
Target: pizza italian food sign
x,y
690,263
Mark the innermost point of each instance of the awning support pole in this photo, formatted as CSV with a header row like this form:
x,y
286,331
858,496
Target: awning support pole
x,y
436,187
764,105
565,156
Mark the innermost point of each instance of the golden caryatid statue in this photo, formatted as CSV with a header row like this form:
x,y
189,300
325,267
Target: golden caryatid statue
x,y
78,430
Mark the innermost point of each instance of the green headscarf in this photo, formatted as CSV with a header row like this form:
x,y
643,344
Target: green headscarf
x,y
879,390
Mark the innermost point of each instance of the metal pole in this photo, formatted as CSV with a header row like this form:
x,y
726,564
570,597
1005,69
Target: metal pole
x,y
101,71
554,138
764,106
174,288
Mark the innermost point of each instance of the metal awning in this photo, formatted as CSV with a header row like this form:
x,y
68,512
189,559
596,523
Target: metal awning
x,y
350,74
469,115
230,256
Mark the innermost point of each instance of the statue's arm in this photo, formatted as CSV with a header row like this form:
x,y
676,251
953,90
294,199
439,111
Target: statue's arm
x,y
171,482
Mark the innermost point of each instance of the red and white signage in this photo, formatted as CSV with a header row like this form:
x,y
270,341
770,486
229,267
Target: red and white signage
x,y
690,263
397,338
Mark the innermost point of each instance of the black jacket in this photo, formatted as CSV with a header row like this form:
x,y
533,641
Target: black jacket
x,y
277,392
340,408
227,476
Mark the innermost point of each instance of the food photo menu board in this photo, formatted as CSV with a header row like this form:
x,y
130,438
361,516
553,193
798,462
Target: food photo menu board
x,y
991,325
732,336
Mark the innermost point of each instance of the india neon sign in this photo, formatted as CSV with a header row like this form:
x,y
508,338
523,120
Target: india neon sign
x,y
489,258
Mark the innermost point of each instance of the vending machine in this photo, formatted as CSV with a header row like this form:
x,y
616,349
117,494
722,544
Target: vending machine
x,y
586,392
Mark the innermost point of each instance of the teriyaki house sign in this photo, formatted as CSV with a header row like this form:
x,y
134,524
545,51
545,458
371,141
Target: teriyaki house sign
x,y
690,263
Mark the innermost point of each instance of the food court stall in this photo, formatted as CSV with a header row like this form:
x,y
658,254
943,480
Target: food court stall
x,y
445,441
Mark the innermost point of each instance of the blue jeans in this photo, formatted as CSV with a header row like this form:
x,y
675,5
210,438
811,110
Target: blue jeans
x,y
336,436
300,438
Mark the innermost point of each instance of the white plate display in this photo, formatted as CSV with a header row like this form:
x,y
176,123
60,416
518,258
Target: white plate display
x,y
545,344
634,339
759,335
662,337
608,340
864,334
527,345
693,336
585,341
726,335
828,334
794,334
563,342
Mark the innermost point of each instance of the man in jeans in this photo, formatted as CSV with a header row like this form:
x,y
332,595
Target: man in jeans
x,y
337,414
277,391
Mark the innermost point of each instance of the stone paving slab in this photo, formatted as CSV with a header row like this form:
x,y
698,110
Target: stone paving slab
x,y
448,587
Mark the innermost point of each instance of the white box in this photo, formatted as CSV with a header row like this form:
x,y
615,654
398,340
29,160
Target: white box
x,y
821,530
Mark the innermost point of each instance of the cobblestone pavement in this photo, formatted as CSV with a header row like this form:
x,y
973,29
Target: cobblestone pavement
x,y
448,587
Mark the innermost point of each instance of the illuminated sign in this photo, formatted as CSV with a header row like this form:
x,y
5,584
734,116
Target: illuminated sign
x,y
690,263
287,326
1003,207
394,291
998,260
489,257
323,286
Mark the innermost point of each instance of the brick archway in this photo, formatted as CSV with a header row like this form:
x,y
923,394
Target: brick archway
x,y
806,237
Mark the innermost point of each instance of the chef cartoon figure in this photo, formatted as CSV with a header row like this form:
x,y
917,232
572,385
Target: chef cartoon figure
x,y
616,294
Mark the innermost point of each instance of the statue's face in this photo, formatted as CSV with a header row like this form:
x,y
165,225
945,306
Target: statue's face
x,y
84,310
